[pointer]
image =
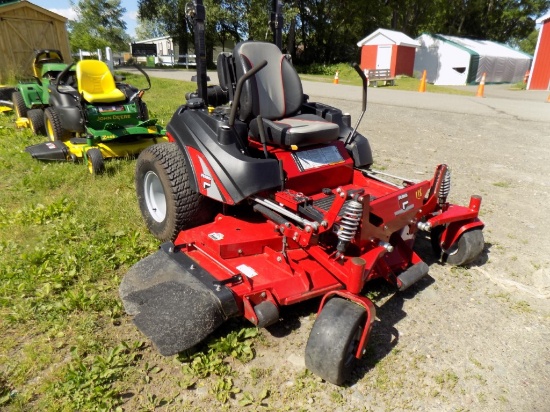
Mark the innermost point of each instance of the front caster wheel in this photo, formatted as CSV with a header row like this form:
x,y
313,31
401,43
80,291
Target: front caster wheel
x,y
96,164
166,200
466,250
334,339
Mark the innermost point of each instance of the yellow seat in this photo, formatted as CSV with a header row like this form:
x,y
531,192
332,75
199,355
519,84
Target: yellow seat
x,y
96,83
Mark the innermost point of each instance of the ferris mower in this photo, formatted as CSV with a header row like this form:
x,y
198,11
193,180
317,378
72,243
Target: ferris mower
x,y
270,201
93,116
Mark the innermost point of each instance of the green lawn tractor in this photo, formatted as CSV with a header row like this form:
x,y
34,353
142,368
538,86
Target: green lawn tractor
x,y
31,96
94,116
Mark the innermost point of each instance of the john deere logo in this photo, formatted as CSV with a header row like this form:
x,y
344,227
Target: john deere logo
x,y
113,117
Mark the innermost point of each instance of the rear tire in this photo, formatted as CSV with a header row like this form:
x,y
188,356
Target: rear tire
x,y
52,124
36,121
334,339
166,200
19,104
96,164
466,250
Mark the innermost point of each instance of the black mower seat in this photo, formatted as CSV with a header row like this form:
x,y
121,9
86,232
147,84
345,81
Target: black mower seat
x,y
96,83
276,93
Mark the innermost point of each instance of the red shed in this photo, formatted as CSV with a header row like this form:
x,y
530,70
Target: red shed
x,y
539,79
388,49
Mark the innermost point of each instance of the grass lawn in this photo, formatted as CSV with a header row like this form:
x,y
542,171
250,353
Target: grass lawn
x,y
66,239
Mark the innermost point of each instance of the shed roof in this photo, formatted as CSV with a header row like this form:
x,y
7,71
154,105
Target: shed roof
x,y
486,47
385,36
543,18
7,6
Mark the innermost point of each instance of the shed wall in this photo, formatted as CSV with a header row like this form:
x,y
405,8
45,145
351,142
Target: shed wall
x,y
540,75
368,57
403,60
23,30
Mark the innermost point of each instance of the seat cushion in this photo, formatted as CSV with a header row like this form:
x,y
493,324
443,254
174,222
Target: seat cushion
x,y
300,130
114,95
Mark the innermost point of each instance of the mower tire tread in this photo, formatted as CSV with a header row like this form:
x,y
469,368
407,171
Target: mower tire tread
x,y
96,163
52,124
184,207
36,121
469,246
19,104
334,339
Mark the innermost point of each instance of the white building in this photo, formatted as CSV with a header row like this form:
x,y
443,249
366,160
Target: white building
x,y
450,60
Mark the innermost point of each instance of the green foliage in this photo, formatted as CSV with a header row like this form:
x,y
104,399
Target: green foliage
x,y
87,381
66,240
148,29
326,31
211,360
5,390
99,24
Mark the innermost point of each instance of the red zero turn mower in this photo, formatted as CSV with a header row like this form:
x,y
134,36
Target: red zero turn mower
x,y
270,201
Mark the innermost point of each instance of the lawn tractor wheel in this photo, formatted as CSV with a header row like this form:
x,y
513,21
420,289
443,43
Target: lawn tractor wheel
x,y
19,104
36,121
52,124
467,249
166,200
96,164
334,339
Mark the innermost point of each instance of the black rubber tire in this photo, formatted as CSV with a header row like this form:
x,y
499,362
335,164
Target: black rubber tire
x,y
333,341
36,121
52,124
184,208
96,164
19,104
466,250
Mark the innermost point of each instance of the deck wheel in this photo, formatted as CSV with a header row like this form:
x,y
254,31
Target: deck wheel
x,y
334,339
96,164
466,250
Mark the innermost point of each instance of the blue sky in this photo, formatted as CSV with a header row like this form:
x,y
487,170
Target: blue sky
x,y
64,8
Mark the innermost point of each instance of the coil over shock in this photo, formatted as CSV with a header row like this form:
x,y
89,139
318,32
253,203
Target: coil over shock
x,y
349,223
445,188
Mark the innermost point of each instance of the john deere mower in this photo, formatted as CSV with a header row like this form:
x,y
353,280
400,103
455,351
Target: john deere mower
x,y
92,117
31,96
271,200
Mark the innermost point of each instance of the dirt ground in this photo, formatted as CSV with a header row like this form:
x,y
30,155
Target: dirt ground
x,y
462,339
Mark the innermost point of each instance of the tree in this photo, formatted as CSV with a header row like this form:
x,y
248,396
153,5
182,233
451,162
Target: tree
x,y
148,29
99,24
529,44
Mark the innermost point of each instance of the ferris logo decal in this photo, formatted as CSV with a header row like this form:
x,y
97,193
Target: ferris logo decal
x,y
404,205
207,181
419,194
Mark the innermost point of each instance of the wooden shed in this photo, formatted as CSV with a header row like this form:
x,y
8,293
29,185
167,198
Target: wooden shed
x,y
24,28
539,79
388,49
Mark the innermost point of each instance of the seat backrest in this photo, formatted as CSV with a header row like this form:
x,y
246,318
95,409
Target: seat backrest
x,y
275,91
94,77
43,57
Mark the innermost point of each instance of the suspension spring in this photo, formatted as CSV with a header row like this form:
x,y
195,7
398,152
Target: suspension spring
x,y
350,221
445,187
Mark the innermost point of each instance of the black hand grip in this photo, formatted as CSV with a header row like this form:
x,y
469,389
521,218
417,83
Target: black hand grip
x,y
365,84
239,88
